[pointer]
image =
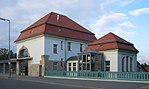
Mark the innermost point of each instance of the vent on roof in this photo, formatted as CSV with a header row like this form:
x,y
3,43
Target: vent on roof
x,y
57,18
59,29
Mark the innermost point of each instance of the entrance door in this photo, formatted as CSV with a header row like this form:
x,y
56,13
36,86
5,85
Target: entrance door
x,y
24,67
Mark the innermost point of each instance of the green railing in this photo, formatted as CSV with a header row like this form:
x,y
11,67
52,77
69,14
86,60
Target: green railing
x,y
141,76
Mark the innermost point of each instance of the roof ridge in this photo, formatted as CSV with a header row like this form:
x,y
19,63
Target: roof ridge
x,y
32,25
87,31
114,38
49,17
125,41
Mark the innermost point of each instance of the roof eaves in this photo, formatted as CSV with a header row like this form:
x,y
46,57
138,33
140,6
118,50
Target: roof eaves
x,y
33,27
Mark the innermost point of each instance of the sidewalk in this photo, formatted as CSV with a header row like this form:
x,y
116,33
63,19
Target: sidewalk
x,y
14,76
104,80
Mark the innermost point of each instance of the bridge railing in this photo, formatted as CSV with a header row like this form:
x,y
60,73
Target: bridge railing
x,y
142,76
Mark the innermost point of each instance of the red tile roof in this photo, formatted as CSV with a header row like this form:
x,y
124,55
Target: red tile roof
x,y
147,68
57,25
109,42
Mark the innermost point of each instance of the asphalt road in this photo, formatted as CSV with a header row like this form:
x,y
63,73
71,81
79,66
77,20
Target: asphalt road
x,y
52,83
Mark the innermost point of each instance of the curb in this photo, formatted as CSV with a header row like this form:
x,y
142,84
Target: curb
x,y
89,79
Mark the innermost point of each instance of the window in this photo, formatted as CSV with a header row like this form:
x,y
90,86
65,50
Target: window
x,y
61,45
127,63
55,48
81,47
69,66
55,65
69,46
131,63
88,58
61,62
74,66
88,66
123,64
84,58
80,66
84,66
107,65
1,67
23,53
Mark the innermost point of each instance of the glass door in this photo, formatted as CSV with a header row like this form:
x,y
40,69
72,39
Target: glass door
x,y
23,67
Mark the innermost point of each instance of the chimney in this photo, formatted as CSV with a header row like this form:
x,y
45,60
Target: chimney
x,y
57,18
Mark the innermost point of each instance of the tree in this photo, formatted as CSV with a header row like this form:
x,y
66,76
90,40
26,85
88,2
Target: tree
x,y
4,54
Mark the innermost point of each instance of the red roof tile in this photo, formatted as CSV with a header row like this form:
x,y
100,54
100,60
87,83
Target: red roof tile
x,y
147,68
58,25
109,42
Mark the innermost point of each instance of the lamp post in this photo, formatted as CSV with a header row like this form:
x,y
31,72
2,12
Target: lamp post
x,y
9,46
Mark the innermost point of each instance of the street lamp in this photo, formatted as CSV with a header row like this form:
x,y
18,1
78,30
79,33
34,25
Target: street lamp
x,y
9,45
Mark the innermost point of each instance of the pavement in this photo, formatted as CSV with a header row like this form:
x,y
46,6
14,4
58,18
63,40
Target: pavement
x,y
66,83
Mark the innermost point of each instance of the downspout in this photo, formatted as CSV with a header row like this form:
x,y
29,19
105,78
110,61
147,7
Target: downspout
x,y
65,55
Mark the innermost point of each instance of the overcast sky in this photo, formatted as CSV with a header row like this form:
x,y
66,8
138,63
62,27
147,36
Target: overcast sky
x,y
128,19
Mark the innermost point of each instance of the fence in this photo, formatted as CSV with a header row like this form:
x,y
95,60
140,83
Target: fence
x,y
141,76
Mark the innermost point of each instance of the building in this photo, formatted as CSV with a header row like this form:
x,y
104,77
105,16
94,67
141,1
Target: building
x,y
147,68
108,53
47,43
55,42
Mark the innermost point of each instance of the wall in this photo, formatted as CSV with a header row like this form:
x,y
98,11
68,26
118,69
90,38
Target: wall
x,y
35,47
115,57
112,55
62,54
130,54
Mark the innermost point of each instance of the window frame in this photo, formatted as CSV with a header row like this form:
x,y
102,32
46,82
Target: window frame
x,y
81,47
69,45
123,64
107,62
69,66
62,45
131,64
55,48
127,61
74,66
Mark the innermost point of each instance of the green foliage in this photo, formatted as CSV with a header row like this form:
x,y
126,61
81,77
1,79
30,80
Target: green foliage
x,y
4,54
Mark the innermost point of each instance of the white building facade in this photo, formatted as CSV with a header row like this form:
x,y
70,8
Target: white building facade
x,y
56,42
120,61
114,54
46,44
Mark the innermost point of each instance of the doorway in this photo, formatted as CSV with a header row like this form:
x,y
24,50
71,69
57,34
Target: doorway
x,y
24,67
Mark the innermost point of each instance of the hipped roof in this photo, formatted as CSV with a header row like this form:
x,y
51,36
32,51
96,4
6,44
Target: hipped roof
x,y
111,41
57,25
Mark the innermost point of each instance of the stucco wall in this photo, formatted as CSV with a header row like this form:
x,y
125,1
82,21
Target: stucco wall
x,y
115,57
112,55
130,54
35,48
64,54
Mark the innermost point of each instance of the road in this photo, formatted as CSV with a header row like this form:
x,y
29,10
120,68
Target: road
x,y
53,83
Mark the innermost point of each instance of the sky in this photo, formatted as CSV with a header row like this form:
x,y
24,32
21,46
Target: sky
x,y
126,18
